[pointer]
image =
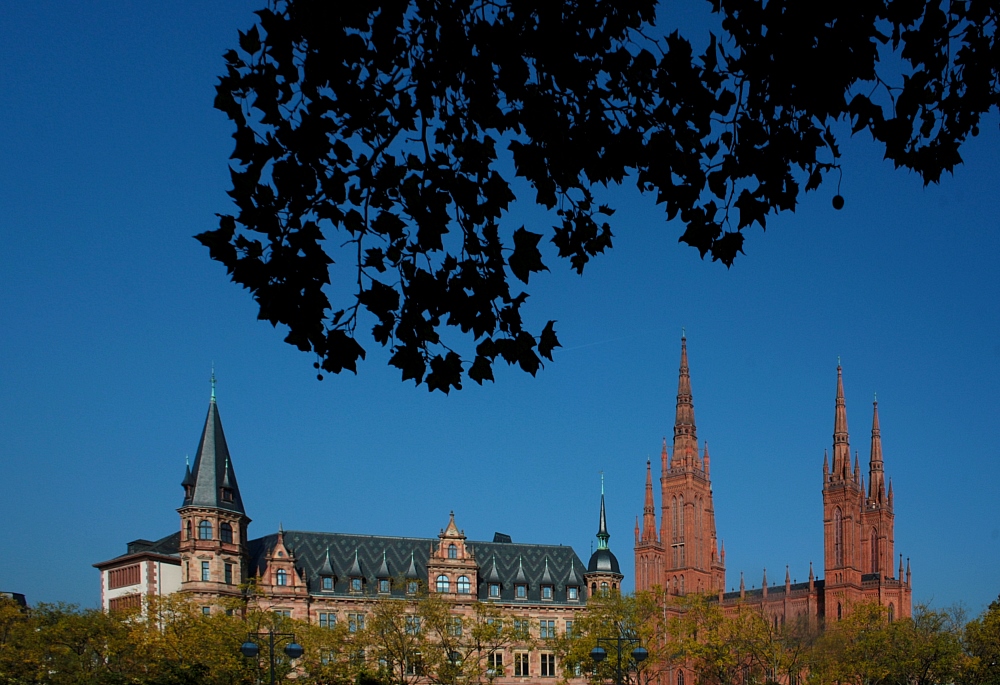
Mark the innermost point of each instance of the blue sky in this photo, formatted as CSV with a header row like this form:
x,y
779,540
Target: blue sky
x,y
113,315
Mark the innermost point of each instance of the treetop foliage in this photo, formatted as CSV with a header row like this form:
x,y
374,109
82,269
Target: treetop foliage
x,y
387,135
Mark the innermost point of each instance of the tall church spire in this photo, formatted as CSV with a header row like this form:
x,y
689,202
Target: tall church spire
x,y
213,480
602,531
876,476
649,509
685,432
841,444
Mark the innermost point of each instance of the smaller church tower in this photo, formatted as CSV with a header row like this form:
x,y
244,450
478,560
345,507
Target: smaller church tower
x,y
603,573
213,546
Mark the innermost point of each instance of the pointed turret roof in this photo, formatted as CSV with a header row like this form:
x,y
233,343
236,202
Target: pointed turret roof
x,y
602,531
327,568
383,570
841,441
648,509
546,576
212,475
520,577
355,570
602,559
685,431
493,576
411,571
573,578
876,476
188,476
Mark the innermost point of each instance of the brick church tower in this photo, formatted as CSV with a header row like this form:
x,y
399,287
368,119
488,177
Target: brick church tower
x,y
214,546
858,525
684,556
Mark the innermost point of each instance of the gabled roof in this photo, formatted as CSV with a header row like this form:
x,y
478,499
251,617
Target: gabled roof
x,y
213,469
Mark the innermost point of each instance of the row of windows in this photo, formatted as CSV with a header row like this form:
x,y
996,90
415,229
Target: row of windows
x,y
121,577
205,531
358,584
206,572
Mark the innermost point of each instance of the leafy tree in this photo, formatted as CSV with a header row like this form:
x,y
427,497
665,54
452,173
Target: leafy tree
x,y
638,616
387,136
982,644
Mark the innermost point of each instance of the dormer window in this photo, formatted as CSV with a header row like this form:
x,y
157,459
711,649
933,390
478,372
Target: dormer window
x,y
227,495
356,584
521,591
572,593
383,586
411,587
494,590
546,592
281,577
452,551
327,583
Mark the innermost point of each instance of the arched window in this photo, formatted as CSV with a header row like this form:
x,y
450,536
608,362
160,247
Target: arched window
x,y
443,584
593,589
226,532
874,550
205,530
604,589
188,530
464,586
281,577
673,507
840,611
838,536
892,612
680,523
682,585
452,551
675,585
680,677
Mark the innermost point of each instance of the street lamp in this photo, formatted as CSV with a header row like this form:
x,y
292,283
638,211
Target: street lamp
x,y
620,645
250,649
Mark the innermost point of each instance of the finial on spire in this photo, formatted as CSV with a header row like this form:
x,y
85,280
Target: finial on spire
x,y
187,460
602,483
602,531
838,361
213,382
683,333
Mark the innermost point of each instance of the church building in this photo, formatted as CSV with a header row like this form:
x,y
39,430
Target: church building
x,y
683,553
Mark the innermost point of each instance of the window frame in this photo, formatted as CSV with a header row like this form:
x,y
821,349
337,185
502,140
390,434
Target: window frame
x,y
204,530
463,585
442,583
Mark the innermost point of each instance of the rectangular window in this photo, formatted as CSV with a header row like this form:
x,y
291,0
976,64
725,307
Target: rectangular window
x,y
549,665
494,663
521,669
125,602
286,613
205,574
494,589
412,625
521,591
207,611
521,628
569,629
383,586
572,593
355,623
415,665
327,583
546,629
229,574
327,620
355,585
455,627
546,592
411,587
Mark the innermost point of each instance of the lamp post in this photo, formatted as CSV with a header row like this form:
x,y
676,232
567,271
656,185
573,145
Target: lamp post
x,y
620,644
250,649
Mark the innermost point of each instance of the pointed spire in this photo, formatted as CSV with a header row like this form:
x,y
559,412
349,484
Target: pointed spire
x,y
664,463
876,482
708,469
411,571
900,576
383,570
213,479
857,468
788,580
602,531
546,576
841,443
648,509
212,399
722,554
520,577
907,571
812,578
573,578
356,571
327,568
494,573
685,431
743,587
889,497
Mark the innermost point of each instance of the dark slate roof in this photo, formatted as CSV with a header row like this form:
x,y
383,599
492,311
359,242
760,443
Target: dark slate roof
x,y
310,549
213,469
169,545
603,561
